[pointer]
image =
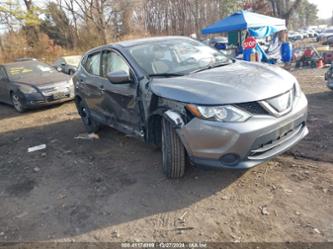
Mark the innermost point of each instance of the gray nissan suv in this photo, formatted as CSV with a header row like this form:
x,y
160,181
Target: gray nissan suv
x,y
197,104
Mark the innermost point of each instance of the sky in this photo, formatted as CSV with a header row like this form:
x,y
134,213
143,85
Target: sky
x,y
325,8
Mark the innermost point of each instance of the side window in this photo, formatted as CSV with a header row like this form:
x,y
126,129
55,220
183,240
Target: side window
x,y
62,61
92,64
106,63
2,74
118,63
58,62
113,62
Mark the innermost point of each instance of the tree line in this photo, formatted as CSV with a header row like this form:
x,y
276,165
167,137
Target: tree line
x,y
55,27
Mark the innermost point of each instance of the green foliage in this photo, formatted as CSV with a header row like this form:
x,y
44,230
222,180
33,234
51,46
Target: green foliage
x,y
57,26
16,10
305,15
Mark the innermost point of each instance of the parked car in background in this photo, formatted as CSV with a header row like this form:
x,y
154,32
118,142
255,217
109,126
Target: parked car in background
x,y
195,102
294,36
325,34
328,41
303,33
67,64
313,33
31,84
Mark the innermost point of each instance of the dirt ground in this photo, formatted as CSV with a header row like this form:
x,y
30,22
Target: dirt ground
x,y
113,189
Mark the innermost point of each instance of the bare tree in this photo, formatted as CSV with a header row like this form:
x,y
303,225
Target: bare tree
x,y
284,8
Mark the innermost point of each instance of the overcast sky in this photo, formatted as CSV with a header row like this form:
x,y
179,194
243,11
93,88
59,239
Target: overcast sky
x,y
325,7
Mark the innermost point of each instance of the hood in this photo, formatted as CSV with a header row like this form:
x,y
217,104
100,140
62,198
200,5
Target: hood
x,y
238,82
42,79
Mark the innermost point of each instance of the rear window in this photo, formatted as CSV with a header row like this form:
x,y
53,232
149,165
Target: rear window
x,y
72,60
18,70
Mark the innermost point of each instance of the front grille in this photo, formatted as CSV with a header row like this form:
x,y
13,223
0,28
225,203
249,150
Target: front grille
x,y
267,143
279,105
54,88
253,108
48,90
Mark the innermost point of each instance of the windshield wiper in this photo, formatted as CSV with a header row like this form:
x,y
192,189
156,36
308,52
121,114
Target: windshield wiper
x,y
210,67
165,75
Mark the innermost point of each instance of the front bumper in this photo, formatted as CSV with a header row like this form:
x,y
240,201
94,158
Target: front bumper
x,y
247,144
32,101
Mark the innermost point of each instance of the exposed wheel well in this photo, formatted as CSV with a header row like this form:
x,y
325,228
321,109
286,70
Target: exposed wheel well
x,y
11,92
154,131
10,96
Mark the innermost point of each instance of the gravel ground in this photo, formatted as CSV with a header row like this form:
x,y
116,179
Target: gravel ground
x,y
113,189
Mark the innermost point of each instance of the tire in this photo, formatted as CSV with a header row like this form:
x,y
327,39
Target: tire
x,y
89,123
17,102
173,152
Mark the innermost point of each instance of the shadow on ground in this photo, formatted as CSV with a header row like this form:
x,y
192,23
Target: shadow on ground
x,y
77,186
318,145
7,111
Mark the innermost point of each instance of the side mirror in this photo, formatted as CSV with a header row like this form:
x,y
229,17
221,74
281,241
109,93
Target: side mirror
x,y
119,77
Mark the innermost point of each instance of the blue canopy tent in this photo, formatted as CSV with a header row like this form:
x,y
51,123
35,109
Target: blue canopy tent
x,y
257,25
245,20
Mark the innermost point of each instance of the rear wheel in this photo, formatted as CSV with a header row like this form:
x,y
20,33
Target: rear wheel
x,y
89,123
17,102
173,152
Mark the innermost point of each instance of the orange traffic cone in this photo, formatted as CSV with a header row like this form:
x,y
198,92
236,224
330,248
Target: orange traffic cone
x,y
320,63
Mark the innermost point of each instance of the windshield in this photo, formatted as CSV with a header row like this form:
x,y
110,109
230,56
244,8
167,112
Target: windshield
x,y
176,56
26,69
73,60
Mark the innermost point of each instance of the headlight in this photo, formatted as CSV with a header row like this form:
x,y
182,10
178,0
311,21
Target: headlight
x,y
27,89
225,113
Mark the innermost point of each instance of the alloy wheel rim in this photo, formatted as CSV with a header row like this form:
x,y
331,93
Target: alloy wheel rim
x,y
16,102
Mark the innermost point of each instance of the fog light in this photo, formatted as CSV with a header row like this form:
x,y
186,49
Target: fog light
x,y
230,159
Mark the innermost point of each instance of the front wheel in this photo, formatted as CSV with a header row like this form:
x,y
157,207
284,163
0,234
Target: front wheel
x,y
17,102
89,123
173,152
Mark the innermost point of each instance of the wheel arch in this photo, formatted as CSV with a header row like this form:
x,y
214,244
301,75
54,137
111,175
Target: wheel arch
x,y
77,100
154,124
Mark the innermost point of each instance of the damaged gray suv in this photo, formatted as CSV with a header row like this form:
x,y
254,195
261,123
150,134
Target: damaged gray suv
x,y
197,104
